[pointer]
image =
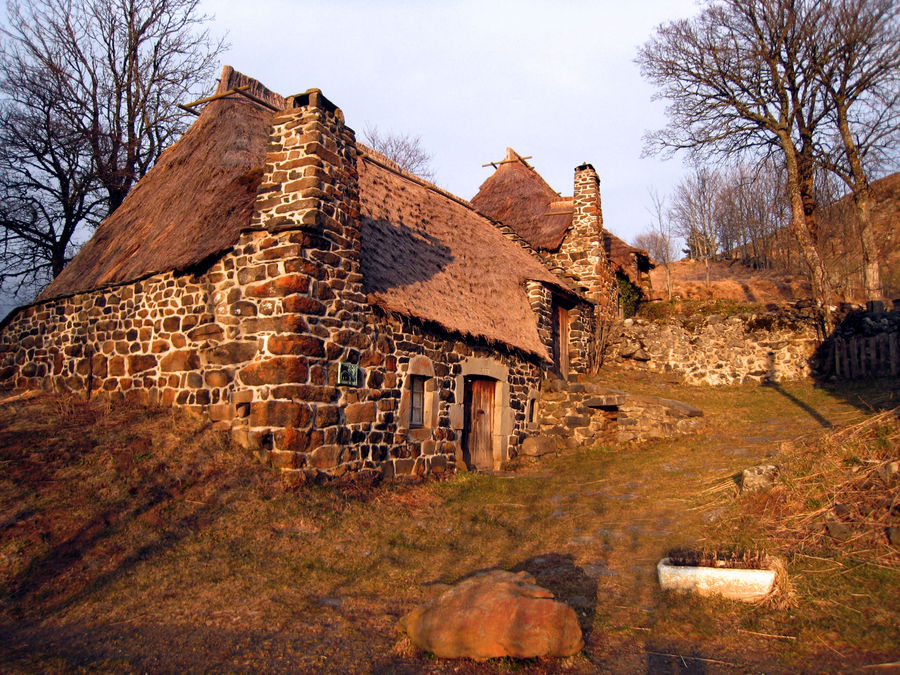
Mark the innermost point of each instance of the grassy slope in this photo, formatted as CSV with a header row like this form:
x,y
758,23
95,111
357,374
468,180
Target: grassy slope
x,y
140,540
728,281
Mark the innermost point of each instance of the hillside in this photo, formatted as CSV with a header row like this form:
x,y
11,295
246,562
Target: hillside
x,y
137,540
841,248
729,280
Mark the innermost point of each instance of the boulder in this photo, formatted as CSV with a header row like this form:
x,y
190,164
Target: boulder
x,y
759,478
536,446
493,615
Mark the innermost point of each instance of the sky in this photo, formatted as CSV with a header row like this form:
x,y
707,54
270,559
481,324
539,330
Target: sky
x,y
553,80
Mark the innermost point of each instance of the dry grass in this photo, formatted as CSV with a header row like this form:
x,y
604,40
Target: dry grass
x,y
728,281
140,540
731,558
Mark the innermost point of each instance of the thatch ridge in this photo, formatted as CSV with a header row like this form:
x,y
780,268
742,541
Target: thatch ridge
x,y
191,205
517,196
232,79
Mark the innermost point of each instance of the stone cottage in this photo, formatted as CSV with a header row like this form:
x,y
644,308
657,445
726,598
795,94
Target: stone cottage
x,y
553,225
334,312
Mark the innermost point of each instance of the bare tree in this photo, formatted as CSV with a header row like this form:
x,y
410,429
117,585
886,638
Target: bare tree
x,y
660,239
88,91
857,63
739,82
751,209
404,150
47,185
694,214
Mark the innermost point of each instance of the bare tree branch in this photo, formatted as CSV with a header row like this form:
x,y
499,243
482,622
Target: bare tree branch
x,y
404,150
87,103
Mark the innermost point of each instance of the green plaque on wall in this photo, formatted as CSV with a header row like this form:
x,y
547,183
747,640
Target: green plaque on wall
x,y
348,374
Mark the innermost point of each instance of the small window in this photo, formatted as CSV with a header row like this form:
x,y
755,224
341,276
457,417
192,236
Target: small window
x,y
417,401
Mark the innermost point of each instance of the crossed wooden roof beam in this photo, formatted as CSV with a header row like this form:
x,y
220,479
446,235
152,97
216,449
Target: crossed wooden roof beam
x,y
189,107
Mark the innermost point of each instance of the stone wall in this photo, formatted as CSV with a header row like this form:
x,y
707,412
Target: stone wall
x,y
718,350
149,342
582,344
267,372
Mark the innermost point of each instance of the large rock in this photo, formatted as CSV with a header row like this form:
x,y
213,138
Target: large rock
x,y
536,446
759,478
492,615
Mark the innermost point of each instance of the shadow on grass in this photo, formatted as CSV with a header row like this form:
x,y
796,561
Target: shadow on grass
x,y
662,662
38,587
805,407
76,541
569,583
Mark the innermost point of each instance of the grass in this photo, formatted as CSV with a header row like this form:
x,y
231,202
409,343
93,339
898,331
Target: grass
x,y
143,539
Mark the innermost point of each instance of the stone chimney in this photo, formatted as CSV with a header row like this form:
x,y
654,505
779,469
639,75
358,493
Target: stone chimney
x,y
310,179
299,303
583,252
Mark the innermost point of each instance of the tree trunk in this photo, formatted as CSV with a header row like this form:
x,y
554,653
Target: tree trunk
x,y
57,260
804,228
863,201
871,266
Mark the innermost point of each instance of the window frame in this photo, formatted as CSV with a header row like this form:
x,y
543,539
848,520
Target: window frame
x,y
417,401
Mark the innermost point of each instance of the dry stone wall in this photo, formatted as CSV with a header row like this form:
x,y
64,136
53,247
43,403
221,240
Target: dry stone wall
x,y
586,413
718,350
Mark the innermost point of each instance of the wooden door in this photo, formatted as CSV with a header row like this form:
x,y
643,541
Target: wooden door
x,y
479,436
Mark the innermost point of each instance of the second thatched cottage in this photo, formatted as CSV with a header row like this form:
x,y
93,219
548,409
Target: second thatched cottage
x,y
334,312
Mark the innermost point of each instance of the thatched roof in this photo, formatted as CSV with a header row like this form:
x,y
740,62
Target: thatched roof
x,y
517,196
191,205
430,255
425,253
